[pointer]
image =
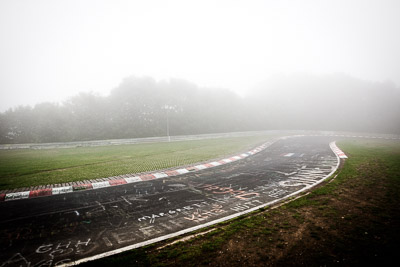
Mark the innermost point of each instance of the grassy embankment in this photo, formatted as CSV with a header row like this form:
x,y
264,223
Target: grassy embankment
x,y
353,220
24,168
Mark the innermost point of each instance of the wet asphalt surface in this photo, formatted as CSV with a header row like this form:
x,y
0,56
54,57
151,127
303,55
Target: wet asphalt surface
x,y
59,229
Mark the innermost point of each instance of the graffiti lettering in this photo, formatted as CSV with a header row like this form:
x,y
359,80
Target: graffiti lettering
x,y
240,194
171,213
201,215
16,260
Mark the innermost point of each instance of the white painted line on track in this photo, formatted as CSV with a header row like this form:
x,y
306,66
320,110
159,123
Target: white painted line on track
x,y
289,155
160,175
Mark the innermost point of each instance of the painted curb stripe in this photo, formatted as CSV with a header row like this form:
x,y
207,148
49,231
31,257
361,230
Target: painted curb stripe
x,y
159,175
133,179
83,186
192,169
100,185
337,150
17,195
40,192
200,167
208,165
182,171
117,182
62,190
172,173
147,177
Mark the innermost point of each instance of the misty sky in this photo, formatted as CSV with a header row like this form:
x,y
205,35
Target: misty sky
x,y
53,49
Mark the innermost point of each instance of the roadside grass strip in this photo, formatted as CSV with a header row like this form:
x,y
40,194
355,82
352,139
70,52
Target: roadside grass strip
x,y
123,179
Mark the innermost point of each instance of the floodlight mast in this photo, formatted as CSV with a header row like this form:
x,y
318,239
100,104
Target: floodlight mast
x,y
166,107
169,137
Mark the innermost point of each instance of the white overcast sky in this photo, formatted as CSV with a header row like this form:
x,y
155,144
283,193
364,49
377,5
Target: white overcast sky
x,y
53,49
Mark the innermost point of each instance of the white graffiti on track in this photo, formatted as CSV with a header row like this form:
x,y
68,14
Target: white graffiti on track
x,y
239,193
52,254
246,205
21,261
172,213
201,215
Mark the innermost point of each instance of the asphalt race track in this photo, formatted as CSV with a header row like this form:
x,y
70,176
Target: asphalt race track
x,y
66,228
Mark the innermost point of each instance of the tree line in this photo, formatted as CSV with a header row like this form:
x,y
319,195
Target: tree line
x,y
142,107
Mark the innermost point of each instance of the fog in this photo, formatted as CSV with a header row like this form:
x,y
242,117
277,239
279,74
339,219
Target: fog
x,y
334,102
83,70
145,107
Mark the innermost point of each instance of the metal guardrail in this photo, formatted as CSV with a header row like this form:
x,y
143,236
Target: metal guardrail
x,y
111,142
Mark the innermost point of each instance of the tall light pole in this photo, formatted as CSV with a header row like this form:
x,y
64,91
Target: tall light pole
x,y
166,107
169,137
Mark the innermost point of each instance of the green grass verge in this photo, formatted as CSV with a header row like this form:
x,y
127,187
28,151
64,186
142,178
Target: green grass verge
x,y
354,217
24,168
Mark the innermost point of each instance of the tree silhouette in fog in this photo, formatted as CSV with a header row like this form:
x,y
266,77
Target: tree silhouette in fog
x,y
141,106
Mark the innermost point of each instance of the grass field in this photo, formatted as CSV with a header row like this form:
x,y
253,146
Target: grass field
x,y
353,220
24,168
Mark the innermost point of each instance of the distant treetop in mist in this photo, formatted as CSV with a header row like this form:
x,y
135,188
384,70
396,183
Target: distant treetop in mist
x,y
142,107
